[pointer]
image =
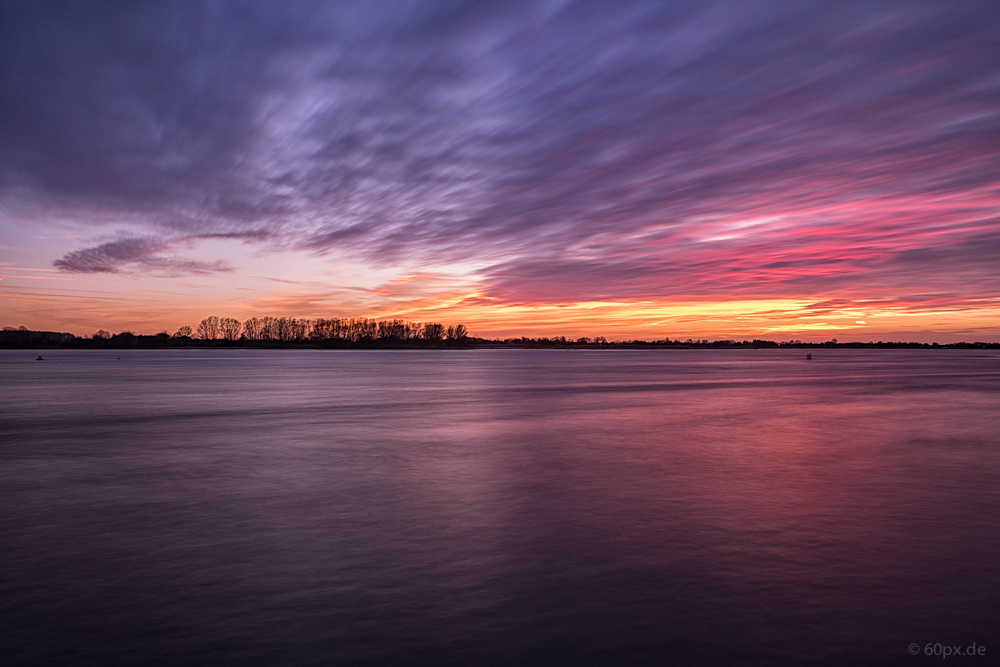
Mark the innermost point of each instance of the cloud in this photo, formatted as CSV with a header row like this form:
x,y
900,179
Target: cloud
x,y
134,255
568,150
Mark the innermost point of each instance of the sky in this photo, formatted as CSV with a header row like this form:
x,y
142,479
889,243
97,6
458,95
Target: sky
x,y
776,169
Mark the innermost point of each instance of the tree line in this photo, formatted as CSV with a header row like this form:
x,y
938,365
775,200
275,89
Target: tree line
x,y
370,333
346,330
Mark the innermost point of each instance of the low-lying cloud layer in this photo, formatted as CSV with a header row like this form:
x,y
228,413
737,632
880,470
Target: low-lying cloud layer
x,y
570,151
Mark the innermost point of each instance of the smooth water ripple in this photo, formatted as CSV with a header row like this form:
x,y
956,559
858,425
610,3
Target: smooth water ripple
x,y
498,507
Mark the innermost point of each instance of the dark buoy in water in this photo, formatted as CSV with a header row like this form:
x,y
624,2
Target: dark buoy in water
x,y
40,358
809,356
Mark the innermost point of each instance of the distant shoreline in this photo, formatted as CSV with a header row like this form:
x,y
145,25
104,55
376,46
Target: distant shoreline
x,y
48,340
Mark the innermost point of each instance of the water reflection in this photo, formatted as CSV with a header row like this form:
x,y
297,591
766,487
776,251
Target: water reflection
x,y
496,507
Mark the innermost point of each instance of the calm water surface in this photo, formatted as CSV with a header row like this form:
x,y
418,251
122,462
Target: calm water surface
x,y
498,507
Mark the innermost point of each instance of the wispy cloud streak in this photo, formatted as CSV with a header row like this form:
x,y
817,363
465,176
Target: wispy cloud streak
x,y
134,255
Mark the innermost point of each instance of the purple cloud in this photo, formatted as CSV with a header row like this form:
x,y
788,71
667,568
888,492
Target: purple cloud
x,y
573,150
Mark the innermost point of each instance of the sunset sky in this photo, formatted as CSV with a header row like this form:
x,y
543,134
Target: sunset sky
x,y
785,170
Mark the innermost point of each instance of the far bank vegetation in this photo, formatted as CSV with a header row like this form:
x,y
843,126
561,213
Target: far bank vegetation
x,y
347,331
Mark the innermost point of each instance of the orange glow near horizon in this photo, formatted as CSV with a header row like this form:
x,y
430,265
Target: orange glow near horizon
x,y
48,300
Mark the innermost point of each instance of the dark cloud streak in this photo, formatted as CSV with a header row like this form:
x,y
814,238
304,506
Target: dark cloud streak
x,y
134,255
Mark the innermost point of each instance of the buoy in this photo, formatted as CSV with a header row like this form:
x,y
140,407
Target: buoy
x,y
39,358
809,356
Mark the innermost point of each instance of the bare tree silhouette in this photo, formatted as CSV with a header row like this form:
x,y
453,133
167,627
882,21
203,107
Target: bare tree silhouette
x,y
433,332
230,328
209,329
457,333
